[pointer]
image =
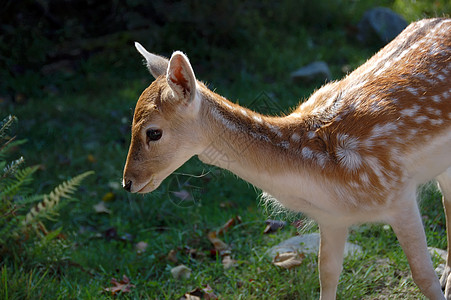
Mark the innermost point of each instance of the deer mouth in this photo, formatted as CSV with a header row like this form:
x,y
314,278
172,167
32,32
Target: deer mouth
x,y
150,186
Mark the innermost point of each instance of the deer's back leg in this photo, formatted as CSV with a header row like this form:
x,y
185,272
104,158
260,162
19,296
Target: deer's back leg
x,y
444,182
408,227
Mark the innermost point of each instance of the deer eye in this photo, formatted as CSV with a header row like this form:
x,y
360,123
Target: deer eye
x,y
153,134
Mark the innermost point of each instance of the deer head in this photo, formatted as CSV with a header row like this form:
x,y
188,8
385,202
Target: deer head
x,y
164,134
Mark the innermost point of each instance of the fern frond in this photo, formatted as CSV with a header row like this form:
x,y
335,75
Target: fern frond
x,y
6,124
50,202
12,167
8,145
21,178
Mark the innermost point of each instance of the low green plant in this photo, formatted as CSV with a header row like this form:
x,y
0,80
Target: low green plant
x,y
22,213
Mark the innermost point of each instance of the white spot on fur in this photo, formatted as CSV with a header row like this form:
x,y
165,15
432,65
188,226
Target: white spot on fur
x,y
228,105
321,158
421,119
218,116
383,130
307,153
295,137
243,111
434,111
284,144
374,166
260,137
410,112
445,95
257,118
437,122
412,90
296,115
364,177
441,77
311,134
436,98
274,129
413,132
354,184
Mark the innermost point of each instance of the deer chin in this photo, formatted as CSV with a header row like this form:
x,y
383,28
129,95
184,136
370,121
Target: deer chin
x,y
150,186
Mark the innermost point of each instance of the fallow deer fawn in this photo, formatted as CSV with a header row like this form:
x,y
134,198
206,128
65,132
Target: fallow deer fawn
x,y
355,152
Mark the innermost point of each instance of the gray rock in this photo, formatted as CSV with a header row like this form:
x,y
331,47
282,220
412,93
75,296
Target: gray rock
x,y
318,70
309,243
380,25
438,252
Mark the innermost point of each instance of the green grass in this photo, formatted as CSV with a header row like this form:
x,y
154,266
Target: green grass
x,y
84,124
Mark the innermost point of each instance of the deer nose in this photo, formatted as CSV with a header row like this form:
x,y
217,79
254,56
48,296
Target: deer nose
x,y
127,185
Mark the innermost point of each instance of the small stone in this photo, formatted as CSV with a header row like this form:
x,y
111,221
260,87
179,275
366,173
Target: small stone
x,y
437,252
309,243
181,272
379,26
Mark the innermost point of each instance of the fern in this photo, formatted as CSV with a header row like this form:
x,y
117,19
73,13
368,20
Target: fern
x,y
47,207
5,125
18,223
11,186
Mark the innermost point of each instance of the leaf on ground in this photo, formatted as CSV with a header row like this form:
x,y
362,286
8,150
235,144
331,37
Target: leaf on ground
x,y
228,262
273,226
108,197
230,223
101,208
141,247
222,248
172,256
181,272
206,293
91,158
288,260
219,245
123,286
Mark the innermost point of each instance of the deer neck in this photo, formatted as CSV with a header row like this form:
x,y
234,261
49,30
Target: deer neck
x,y
257,148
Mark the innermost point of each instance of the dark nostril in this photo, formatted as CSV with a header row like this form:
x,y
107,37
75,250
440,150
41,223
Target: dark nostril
x,y
128,186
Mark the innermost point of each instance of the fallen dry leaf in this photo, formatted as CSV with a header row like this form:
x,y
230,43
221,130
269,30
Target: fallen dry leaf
x,y
228,262
91,158
288,260
273,226
101,208
108,197
181,272
123,286
198,294
219,245
229,224
172,256
141,247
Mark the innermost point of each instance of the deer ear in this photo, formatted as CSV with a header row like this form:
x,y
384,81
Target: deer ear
x,y
180,77
156,64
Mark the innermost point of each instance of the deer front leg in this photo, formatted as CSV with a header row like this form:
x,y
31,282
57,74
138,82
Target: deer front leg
x,y
444,181
409,230
330,259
